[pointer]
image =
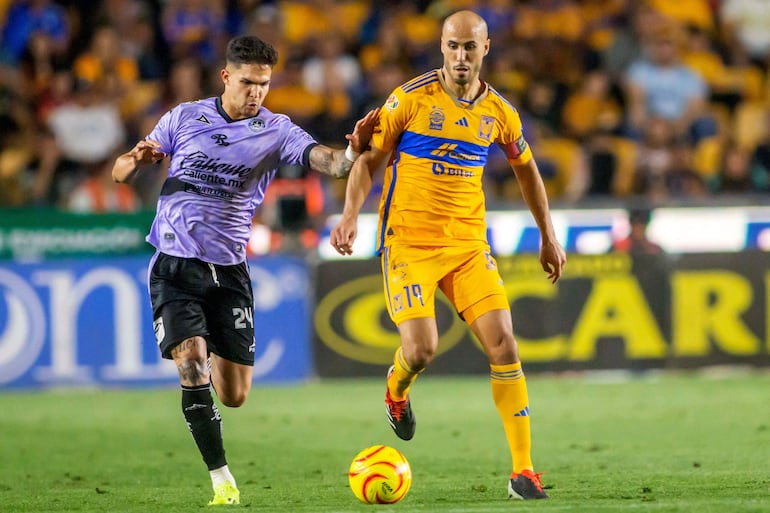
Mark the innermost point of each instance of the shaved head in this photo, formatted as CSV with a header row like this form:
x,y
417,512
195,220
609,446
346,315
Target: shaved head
x,y
464,44
467,22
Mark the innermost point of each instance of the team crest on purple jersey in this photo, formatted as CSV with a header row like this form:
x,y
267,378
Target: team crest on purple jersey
x,y
256,124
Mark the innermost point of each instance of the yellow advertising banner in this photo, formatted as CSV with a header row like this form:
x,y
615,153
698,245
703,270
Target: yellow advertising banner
x,y
610,311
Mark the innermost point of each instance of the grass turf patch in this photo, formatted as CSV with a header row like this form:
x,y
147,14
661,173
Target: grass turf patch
x,y
656,443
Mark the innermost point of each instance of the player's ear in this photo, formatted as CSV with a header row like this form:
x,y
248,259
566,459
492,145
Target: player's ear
x,y
486,47
225,75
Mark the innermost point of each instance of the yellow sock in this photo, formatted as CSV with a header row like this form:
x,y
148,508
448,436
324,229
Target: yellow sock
x,y
402,377
509,390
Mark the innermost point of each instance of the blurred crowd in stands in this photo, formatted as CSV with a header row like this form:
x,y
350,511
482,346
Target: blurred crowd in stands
x,y
658,100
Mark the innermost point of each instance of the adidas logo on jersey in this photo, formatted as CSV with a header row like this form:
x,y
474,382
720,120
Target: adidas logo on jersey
x,y
461,122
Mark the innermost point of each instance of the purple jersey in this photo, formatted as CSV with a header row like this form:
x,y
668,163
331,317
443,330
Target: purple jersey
x,y
219,171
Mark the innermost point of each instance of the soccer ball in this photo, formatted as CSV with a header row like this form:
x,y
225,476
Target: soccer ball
x,y
380,475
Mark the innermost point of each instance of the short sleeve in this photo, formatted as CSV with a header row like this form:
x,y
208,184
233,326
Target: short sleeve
x,y
293,149
511,138
164,130
394,115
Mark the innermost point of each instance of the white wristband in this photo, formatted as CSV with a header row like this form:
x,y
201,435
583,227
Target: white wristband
x,y
351,154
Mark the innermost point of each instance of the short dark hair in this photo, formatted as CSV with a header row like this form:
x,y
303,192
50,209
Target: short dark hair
x,y
250,50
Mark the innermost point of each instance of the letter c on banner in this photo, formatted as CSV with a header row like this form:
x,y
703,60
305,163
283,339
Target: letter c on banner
x,y
22,326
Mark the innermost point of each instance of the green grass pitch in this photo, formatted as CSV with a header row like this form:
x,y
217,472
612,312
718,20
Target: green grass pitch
x,y
658,443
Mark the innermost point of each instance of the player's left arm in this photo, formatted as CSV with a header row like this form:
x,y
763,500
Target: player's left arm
x,y
514,145
552,255
338,163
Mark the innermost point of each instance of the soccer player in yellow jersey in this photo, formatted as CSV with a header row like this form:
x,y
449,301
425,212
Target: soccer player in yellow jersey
x,y
435,131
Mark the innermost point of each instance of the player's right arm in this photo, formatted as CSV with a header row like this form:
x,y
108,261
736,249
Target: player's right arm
x,y
392,120
152,149
127,165
359,184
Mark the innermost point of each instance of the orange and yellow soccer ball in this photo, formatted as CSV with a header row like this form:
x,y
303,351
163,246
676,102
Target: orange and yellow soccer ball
x,y
380,475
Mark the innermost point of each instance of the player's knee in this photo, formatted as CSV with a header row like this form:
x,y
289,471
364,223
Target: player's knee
x,y
234,399
503,351
193,372
232,393
420,357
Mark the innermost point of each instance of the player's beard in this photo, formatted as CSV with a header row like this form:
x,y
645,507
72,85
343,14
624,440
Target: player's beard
x,y
461,78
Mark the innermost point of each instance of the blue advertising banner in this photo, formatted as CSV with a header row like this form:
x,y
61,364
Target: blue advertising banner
x,y
89,322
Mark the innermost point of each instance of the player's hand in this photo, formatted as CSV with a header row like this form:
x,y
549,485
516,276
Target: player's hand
x,y
343,235
362,132
147,152
552,258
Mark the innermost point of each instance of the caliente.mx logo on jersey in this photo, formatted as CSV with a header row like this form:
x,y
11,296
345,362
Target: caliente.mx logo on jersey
x,y
212,170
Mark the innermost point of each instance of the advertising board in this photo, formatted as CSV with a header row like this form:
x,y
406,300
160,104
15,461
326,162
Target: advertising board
x,y
88,322
592,231
609,311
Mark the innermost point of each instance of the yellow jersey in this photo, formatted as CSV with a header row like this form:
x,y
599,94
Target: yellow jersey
x,y
432,191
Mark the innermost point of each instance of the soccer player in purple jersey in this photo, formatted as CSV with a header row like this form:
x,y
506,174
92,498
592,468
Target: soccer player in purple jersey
x,y
224,152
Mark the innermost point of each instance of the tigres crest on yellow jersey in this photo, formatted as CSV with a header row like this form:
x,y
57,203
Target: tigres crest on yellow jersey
x,y
432,193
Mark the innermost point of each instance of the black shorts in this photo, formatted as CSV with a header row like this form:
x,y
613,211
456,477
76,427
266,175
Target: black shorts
x,y
194,298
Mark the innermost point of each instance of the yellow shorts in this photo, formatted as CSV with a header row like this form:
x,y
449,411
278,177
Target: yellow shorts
x,y
467,275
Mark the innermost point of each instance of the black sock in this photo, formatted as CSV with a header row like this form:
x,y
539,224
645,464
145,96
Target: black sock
x,y
205,424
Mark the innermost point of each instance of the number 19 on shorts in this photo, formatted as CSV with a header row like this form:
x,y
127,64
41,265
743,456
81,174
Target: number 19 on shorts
x,y
407,297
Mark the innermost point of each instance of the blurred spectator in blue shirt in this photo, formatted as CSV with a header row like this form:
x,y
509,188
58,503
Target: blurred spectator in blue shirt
x,y
659,85
29,17
194,28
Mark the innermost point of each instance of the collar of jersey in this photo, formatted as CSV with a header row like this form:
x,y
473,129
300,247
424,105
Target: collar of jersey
x,y
226,116
461,102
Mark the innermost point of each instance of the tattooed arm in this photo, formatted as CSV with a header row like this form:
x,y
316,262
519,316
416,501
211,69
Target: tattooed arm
x,y
337,163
